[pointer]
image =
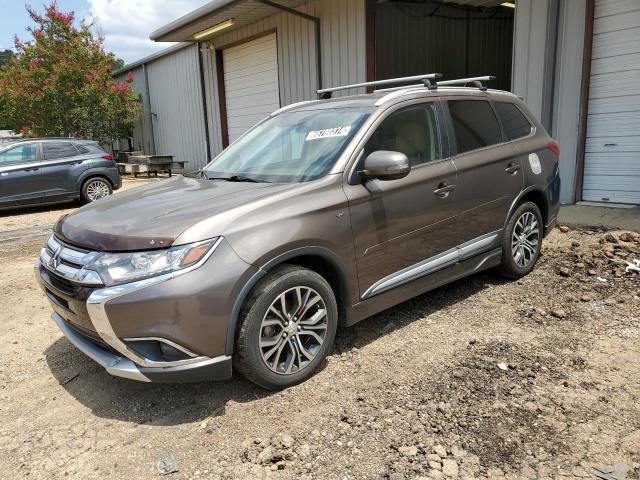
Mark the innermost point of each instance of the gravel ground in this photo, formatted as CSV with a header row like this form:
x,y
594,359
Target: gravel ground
x,y
485,378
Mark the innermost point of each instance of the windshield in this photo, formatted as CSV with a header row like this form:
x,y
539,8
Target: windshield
x,y
290,147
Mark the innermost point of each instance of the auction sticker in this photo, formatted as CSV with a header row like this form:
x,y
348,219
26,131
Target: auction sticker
x,y
328,133
534,161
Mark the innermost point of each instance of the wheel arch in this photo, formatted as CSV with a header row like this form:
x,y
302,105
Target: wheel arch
x,y
318,259
89,174
534,195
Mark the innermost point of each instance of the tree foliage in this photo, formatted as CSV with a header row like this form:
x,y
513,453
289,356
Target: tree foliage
x,y
60,83
5,57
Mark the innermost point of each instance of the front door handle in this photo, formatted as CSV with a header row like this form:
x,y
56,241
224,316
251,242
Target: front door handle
x,y
3,174
512,169
31,169
444,189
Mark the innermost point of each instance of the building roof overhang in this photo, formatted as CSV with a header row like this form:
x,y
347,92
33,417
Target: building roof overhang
x,y
217,12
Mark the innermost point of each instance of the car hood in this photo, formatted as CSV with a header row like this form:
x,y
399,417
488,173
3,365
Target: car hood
x,y
153,216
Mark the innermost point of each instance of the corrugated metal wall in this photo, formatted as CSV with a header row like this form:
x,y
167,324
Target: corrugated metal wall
x,y
176,107
142,132
343,59
453,41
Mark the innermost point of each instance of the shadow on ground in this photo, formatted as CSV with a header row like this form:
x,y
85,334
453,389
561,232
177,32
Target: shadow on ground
x,y
173,404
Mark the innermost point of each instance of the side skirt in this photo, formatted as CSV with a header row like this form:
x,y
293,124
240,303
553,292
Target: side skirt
x,y
382,301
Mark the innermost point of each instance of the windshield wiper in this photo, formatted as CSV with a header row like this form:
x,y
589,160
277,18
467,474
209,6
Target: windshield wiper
x,y
237,178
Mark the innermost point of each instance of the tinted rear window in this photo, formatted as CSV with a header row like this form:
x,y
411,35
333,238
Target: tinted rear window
x,y
515,123
474,124
59,150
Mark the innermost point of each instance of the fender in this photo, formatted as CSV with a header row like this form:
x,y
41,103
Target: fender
x,y
514,204
322,252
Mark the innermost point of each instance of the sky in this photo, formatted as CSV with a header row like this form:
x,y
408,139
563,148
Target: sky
x,y
126,24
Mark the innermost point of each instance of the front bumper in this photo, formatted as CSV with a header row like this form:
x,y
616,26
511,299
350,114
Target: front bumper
x,y
218,368
189,309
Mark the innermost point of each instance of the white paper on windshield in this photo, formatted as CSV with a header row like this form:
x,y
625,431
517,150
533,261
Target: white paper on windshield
x,y
328,133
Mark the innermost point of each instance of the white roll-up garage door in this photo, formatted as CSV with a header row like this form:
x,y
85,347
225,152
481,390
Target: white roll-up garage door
x,y
251,83
612,156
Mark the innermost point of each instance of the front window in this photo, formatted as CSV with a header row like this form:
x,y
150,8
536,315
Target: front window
x,y
25,153
290,147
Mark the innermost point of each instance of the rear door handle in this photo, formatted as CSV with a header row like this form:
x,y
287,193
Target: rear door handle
x,y
31,169
512,168
444,189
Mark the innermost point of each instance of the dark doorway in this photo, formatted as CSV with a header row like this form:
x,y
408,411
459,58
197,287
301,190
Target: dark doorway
x,y
414,37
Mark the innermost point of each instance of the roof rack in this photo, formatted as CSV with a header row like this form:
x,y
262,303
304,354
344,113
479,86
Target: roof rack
x,y
479,82
427,80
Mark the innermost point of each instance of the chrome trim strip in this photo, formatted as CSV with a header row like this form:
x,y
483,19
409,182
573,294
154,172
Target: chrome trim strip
x,y
96,307
184,350
445,259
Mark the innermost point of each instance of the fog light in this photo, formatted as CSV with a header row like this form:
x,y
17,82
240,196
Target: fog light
x,y
171,353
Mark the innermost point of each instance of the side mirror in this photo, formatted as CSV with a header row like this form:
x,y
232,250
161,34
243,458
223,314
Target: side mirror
x,y
386,165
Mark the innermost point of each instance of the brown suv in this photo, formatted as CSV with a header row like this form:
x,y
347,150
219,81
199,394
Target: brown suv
x,y
323,214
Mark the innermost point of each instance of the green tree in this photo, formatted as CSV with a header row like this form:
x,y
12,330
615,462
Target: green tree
x,y
117,64
5,57
60,83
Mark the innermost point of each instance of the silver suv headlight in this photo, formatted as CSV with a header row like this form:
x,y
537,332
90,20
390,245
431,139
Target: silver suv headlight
x,y
118,268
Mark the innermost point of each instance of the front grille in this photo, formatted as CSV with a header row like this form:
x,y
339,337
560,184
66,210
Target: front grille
x,y
62,281
66,263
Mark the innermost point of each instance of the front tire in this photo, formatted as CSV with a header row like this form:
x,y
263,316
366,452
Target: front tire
x,y
94,189
522,241
287,328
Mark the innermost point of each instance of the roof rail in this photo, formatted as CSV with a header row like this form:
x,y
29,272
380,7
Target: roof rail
x,y
427,80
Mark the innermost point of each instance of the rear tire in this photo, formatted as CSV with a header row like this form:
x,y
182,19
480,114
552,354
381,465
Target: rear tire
x,y
521,241
287,328
95,188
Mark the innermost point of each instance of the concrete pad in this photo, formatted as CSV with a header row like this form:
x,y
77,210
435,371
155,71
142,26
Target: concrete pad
x,y
627,218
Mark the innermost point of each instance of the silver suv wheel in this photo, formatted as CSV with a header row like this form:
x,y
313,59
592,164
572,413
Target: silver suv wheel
x,y
97,189
293,330
525,238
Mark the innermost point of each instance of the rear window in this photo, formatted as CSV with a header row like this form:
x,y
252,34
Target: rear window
x,y
82,149
59,150
515,123
474,124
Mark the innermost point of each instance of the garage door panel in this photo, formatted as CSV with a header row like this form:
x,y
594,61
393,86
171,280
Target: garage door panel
x,y
260,84
614,124
251,83
613,144
620,21
264,68
618,63
612,147
616,43
615,84
614,105
614,165
615,7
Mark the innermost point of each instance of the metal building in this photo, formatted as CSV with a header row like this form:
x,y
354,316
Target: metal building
x,y
575,62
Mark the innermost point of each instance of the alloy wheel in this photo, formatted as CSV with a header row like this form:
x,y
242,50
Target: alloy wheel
x,y
525,239
293,330
97,189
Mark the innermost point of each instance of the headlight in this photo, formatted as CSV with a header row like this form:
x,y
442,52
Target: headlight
x,y
117,268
